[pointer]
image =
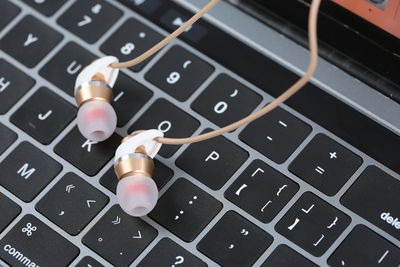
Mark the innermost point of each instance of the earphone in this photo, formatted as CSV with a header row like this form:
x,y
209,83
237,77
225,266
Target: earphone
x,y
137,193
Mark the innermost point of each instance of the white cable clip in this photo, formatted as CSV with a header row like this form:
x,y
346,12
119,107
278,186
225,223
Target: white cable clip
x,y
145,139
102,66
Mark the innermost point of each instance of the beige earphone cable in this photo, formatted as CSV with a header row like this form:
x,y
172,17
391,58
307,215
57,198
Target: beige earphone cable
x,y
168,39
313,44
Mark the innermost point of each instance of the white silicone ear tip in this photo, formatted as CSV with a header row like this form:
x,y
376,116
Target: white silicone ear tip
x,y
97,120
137,195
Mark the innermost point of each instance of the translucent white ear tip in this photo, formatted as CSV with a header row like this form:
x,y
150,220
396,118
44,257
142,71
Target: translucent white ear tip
x,y
97,120
137,195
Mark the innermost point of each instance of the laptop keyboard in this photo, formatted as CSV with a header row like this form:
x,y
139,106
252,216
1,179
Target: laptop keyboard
x,y
281,191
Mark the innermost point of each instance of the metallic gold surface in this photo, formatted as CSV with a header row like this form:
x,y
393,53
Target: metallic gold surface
x,y
134,166
94,90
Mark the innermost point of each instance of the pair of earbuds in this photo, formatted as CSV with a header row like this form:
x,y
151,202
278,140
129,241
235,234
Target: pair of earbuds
x,y
137,193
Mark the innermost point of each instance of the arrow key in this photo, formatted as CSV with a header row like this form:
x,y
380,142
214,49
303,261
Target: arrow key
x,y
72,203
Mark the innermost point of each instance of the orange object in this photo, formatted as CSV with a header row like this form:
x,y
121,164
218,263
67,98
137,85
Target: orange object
x,y
387,18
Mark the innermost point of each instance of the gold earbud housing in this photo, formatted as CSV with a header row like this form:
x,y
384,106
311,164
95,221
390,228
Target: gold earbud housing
x,y
93,90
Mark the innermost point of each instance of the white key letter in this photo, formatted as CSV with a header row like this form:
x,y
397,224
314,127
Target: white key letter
x,y
4,84
31,39
213,156
24,172
73,68
88,144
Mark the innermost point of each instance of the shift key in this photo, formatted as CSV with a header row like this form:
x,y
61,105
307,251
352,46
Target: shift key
x,y
375,196
32,243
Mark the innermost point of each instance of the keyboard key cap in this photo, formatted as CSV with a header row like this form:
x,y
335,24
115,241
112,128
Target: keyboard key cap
x,y
8,12
13,85
47,8
363,247
9,210
169,119
179,73
30,41
261,191
185,209
147,7
72,203
129,98
44,115
131,40
88,156
89,19
312,224
167,251
33,243
7,137
161,175
27,170
223,100
118,237
325,164
213,161
276,135
65,66
88,262
234,241
284,256
382,191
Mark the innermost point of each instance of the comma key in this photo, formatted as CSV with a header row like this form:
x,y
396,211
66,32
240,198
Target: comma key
x,y
375,197
27,244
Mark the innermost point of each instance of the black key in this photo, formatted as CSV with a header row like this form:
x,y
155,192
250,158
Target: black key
x,y
312,224
33,243
147,7
129,97
179,73
86,155
169,119
167,251
88,262
213,161
44,115
381,192
185,209
30,41
276,135
47,8
7,137
234,241
261,191
284,256
173,19
325,164
225,101
65,66
9,210
161,175
27,170
72,203
118,237
8,12
131,40
89,19
363,247
13,85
